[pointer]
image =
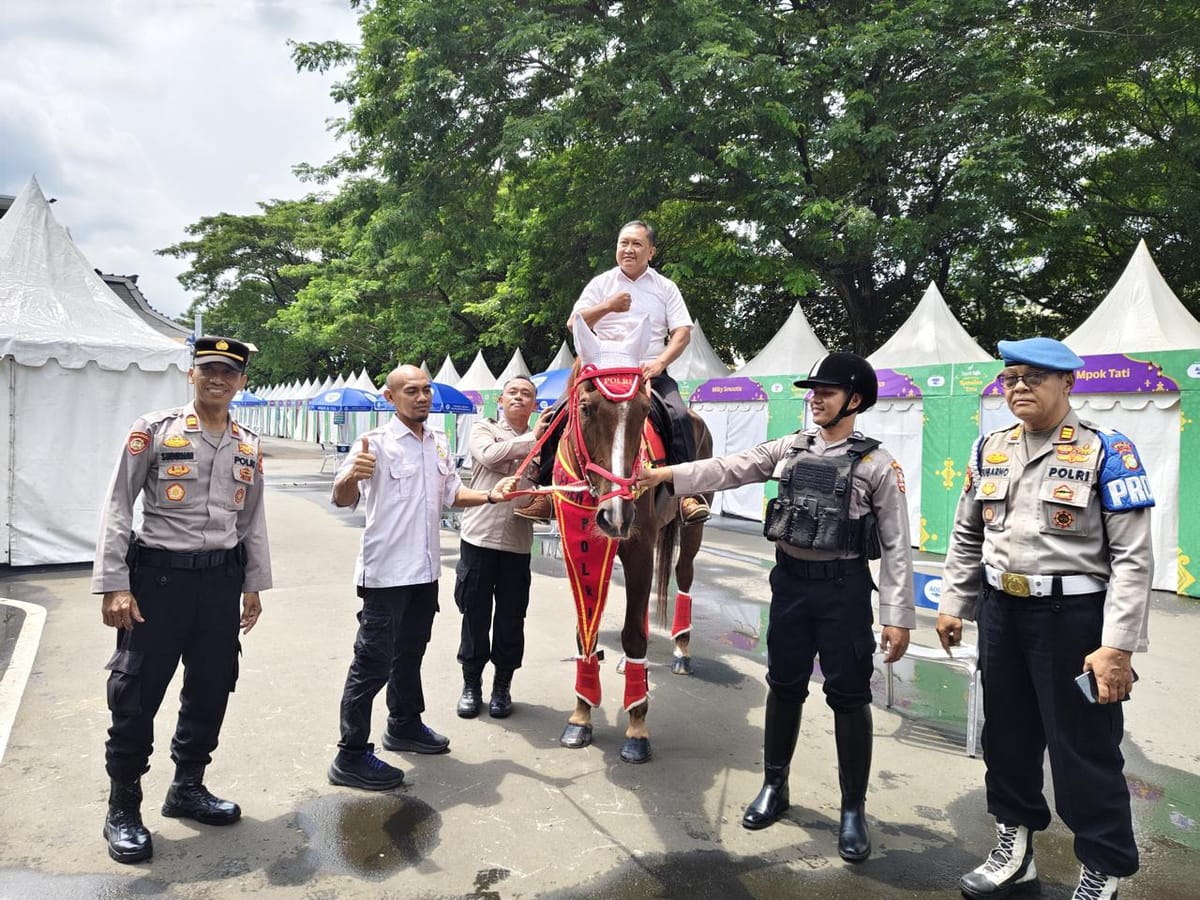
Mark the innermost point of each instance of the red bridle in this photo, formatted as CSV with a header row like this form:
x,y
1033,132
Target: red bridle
x,y
618,385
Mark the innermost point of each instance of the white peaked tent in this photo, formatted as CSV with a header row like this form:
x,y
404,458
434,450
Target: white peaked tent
x,y
516,366
425,369
564,359
478,376
930,336
792,351
447,374
77,367
698,361
1141,316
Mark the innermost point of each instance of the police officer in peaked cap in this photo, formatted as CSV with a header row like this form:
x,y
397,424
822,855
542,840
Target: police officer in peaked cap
x,y
181,588
821,587
1051,555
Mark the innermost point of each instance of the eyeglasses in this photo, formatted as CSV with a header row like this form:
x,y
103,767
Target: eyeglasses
x,y
1032,379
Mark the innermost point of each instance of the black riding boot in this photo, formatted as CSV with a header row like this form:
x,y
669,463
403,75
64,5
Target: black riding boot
x,y
852,731
781,729
472,693
128,839
501,705
188,798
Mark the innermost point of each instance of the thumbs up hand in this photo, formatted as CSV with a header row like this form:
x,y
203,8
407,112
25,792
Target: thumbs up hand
x,y
364,463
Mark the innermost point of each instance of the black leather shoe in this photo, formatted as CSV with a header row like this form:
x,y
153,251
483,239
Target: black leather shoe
x,y
854,840
1008,867
364,770
421,739
771,802
470,701
128,839
190,799
501,705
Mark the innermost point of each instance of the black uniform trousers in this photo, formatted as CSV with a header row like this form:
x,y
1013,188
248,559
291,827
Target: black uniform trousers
x,y
821,609
1030,651
492,593
190,614
394,626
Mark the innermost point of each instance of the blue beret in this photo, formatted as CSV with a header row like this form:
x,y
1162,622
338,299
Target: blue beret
x,y
1043,352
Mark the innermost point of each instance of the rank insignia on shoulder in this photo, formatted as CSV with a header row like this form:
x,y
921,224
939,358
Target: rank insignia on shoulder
x,y
176,492
176,440
191,423
1014,435
137,442
178,470
1067,433
233,429
996,458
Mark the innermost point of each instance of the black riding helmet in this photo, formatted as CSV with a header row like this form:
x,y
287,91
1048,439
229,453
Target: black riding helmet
x,y
844,370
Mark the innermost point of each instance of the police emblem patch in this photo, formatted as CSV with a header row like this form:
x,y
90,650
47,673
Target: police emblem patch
x,y
1064,492
178,471
176,440
176,492
247,449
988,488
239,495
137,443
1064,518
996,458
899,476
989,513
1130,461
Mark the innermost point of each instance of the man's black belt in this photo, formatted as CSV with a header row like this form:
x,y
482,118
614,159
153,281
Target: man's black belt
x,y
169,559
819,570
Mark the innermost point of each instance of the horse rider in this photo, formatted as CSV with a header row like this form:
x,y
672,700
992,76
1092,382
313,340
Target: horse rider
x,y
613,304
821,587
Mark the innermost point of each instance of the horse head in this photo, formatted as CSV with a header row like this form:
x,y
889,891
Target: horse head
x,y
610,401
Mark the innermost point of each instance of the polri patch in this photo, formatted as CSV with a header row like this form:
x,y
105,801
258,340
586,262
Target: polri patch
x,y
1063,518
175,492
138,442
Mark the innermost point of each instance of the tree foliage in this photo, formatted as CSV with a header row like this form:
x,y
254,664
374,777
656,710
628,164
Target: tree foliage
x,y
838,155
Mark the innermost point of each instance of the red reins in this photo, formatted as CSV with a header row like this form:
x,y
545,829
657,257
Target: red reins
x,y
618,385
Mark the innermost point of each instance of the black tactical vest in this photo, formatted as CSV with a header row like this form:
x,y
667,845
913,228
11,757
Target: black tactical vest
x,y
812,510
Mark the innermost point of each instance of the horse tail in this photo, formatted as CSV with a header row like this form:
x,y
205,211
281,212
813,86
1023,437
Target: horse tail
x,y
668,537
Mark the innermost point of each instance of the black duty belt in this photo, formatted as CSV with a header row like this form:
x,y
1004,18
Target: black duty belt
x,y
819,570
169,559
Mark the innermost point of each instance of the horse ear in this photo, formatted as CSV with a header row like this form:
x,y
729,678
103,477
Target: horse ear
x,y
587,345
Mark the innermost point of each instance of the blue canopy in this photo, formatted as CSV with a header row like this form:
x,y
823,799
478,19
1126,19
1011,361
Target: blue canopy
x,y
343,399
550,386
247,398
445,400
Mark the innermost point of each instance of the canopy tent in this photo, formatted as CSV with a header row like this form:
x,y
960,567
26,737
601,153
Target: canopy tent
x,y
75,361
477,379
478,376
698,361
516,366
447,374
794,348
564,359
930,336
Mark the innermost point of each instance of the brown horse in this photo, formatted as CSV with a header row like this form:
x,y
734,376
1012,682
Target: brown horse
x,y
599,510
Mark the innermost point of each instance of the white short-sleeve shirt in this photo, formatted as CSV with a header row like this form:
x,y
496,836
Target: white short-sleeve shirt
x,y
653,296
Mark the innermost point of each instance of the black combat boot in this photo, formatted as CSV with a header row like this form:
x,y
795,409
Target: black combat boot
x,y
128,839
779,743
472,693
852,732
188,798
501,704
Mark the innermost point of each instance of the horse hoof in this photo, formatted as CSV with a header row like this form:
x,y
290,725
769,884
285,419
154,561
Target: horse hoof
x,y
636,750
576,737
681,665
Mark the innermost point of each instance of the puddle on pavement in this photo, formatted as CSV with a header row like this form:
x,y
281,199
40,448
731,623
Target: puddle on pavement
x,y
369,837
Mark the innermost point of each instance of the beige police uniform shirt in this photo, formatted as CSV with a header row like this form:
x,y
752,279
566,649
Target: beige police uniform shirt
x,y
414,479
198,494
878,486
1031,506
497,451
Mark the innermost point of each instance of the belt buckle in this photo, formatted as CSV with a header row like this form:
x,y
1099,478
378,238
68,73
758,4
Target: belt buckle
x,y
1014,585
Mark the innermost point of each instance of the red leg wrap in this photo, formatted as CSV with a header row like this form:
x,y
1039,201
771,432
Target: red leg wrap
x,y
683,615
637,685
587,680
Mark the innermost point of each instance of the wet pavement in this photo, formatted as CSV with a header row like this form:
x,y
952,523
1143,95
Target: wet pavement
x,y
509,813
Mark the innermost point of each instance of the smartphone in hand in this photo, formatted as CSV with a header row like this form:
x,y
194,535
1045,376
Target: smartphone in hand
x,y
1087,686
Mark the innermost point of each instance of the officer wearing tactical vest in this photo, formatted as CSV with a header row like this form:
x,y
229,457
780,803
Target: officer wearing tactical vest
x,y
181,588
841,501
1051,554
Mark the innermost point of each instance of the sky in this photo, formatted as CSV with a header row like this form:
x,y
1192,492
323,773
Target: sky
x,y
142,116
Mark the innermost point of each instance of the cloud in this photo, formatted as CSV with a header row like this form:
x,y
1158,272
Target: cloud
x,y
140,118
